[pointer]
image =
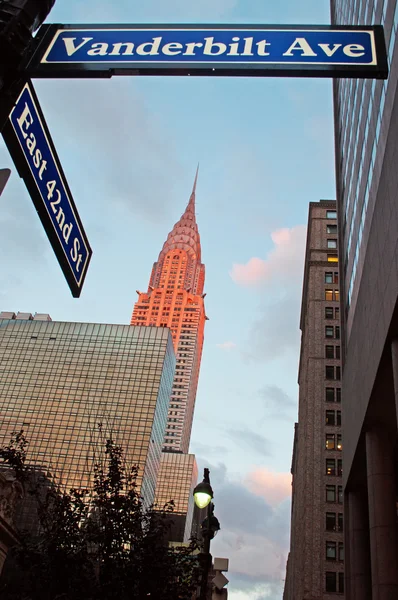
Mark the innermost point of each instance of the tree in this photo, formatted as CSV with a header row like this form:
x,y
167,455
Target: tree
x,y
102,545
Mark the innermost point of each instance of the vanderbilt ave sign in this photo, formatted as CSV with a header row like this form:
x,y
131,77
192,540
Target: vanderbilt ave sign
x,y
101,50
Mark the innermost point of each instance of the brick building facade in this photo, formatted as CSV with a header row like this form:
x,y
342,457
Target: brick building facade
x,y
315,567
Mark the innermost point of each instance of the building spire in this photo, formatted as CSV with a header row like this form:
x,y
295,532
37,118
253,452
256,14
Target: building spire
x,y
191,204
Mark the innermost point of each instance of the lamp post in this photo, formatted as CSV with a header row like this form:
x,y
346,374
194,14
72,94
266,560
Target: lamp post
x,y
203,496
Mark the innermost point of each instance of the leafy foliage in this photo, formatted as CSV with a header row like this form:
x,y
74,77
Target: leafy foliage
x,y
104,546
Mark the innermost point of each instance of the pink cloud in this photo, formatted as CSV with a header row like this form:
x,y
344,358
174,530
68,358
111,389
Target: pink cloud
x,y
273,487
284,261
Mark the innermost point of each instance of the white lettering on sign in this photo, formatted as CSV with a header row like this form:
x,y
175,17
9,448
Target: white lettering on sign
x,y
302,45
354,50
25,121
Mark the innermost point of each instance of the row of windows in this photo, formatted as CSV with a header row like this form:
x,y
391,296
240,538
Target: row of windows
x,y
332,394
333,441
333,418
332,331
332,352
334,468
334,551
333,373
334,582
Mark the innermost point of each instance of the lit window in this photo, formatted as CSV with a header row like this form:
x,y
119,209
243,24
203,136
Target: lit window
x,y
333,258
331,214
331,551
330,467
332,244
330,441
329,295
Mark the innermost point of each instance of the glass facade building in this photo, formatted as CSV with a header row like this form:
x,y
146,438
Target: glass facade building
x,y
70,386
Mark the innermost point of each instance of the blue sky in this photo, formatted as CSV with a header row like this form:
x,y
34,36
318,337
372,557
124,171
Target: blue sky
x,y
129,148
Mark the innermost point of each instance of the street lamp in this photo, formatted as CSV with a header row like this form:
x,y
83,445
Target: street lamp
x,y
203,495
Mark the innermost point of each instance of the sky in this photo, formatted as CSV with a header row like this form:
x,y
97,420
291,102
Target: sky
x,y
129,147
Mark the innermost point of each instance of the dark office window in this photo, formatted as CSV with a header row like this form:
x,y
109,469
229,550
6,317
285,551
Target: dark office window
x,y
330,441
329,394
329,277
330,581
338,420
341,551
340,494
338,352
330,493
340,522
337,332
337,313
329,312
341,583
331,228
331,214
330,466
329,372
330,521
329,351
331,551
338,373
339,467
329,331
330,417
338,395
335,277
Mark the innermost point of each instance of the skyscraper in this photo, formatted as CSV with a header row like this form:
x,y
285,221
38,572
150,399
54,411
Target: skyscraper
x,y
175,299
70,386
366,131
316,560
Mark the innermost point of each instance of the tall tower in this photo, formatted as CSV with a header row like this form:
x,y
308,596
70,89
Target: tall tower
x,y
175,299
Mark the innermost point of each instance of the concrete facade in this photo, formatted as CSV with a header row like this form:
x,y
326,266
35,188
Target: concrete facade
x,y
315,568
366,128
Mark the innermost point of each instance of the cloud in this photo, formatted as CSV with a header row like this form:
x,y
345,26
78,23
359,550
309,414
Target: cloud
x,y
276,332
277,403
284,262
250,440
273,487
226,346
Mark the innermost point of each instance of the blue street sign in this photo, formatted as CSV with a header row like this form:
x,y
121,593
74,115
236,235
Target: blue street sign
x,y
215,49
33,152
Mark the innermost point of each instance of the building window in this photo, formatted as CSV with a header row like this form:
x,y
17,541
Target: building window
x,y
340,522
339,467
329,331
329,312
330,581
329,394
330,441
337,332
329,351
341,583
340,494
331,551
341,551
332,244
331,214
330,467
331,229
339,442
329,295
333,258
330,521
338,352
338,373
338,423
329,277
330,418
330,493
329,372
336,295
338,395
337,313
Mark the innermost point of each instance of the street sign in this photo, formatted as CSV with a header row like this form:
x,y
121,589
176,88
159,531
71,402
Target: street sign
x,y
31,147
228,50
